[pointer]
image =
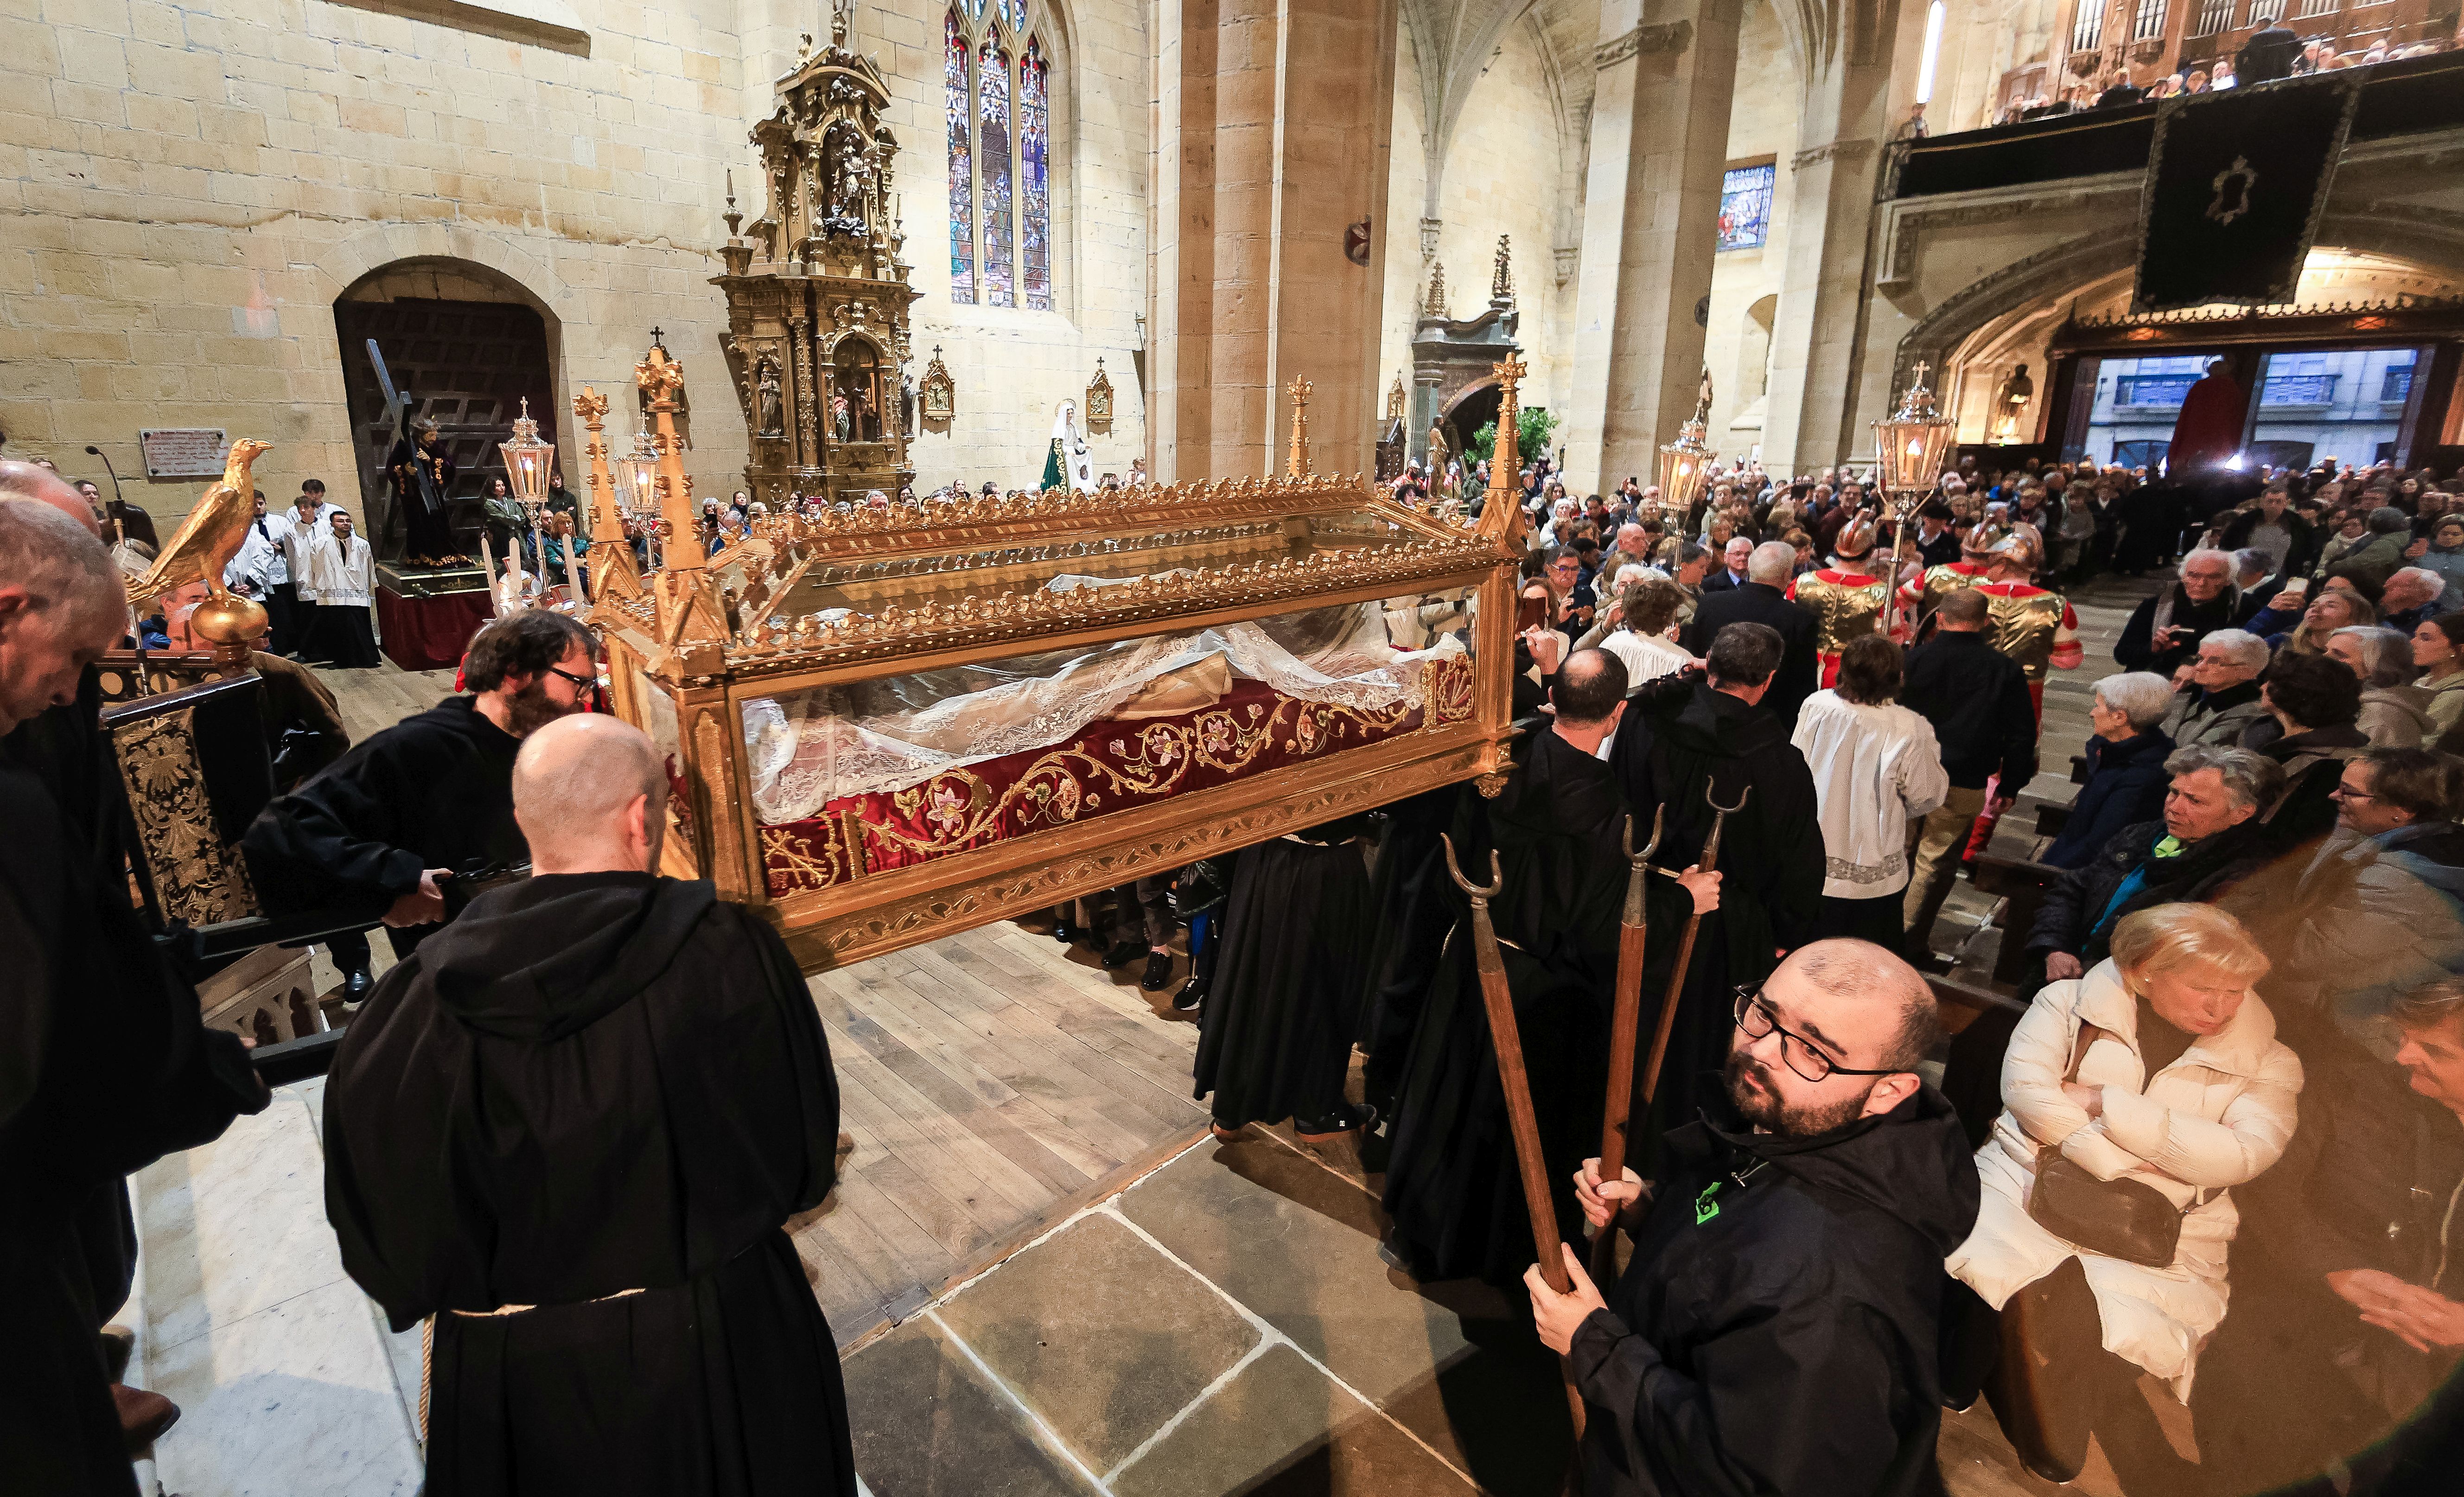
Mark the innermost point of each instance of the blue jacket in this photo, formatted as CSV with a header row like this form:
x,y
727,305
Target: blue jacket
x,y
2125,786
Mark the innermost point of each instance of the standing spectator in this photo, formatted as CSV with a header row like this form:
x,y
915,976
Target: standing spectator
x,y
2372,563
1976,698
309,522
2394,713
2166,630
2315,701
2444,554
2270,525
2126,776
2257,585
2157,1072
2435,650
2223,701
1735,554
1759,600
1876,769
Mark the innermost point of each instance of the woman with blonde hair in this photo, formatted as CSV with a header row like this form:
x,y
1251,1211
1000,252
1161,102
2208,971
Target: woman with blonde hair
x,y
2134,1098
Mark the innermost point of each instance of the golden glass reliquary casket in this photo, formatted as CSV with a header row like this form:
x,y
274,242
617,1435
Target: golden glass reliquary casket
x,y
917,719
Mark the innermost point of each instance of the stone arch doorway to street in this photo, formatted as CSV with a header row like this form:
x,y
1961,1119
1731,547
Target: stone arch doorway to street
x,y
466,345
1472,408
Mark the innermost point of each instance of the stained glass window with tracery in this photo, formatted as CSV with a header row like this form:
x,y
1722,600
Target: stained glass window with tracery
x,y
993,148
1034,215
998,107
955,104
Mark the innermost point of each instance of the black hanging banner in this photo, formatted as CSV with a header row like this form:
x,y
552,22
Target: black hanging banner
x,y
2236,183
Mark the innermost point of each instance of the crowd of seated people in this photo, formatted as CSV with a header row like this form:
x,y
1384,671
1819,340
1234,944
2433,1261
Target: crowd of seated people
x,y
2271,53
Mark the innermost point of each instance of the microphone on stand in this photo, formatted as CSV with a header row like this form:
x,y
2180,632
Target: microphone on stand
x,y
95,451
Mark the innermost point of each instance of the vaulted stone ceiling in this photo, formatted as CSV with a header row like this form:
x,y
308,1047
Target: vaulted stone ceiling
x,y
1455,41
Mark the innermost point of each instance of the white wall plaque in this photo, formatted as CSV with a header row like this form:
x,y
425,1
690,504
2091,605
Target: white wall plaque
x,y
184,452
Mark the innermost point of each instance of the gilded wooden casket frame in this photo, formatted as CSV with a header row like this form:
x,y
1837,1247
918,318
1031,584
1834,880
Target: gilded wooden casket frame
x,y
713,831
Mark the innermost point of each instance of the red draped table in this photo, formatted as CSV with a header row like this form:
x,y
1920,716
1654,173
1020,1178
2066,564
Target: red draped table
x,y
428,633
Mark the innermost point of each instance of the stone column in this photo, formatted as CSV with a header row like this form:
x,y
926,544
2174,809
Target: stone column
x,y
1271,143
1811,419
1660,140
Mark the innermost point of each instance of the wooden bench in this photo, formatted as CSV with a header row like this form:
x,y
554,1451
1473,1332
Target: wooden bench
x,y
2021,885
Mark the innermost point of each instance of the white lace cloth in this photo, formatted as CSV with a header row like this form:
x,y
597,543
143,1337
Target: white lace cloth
x,y
813,747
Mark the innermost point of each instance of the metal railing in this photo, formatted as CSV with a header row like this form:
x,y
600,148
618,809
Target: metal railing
x,y
2395,385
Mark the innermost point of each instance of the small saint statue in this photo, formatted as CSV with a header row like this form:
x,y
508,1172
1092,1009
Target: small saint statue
x,y
774,416
2011,401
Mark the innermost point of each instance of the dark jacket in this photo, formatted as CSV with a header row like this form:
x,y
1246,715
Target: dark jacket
x,y
1779,1335
2125,785
2237,534
2377,916
1721,579
1760,603
2313,761
2370,562
1977,698
434,790
2072,917
2138,649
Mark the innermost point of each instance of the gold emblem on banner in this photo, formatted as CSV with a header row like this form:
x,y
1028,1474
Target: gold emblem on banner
x,y
2234,187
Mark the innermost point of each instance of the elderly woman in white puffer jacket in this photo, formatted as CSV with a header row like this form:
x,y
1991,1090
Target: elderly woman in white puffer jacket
x,y
2161,1066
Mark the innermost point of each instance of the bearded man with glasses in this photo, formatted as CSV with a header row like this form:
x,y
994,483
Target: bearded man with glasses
x,y
1776,1329
430,800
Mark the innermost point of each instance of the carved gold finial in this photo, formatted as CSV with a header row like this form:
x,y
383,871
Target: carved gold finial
x,y
1501,287
1394,399
1505,458
1297,464
1435,303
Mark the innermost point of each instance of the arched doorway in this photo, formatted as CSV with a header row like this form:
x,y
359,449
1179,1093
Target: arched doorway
x,y
466,347
1473,406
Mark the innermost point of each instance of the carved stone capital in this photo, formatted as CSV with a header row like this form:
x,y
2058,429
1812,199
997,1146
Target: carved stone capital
x,y
1670,36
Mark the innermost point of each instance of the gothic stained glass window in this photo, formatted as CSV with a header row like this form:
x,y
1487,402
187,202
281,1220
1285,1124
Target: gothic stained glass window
x,y
955,104
1745,206
998,107
993,149
1034,213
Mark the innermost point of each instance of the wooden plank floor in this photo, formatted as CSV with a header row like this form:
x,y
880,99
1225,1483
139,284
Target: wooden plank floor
x,y
992,1083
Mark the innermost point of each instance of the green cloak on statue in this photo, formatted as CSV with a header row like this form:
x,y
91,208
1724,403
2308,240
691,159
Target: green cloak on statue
x,y
1054,476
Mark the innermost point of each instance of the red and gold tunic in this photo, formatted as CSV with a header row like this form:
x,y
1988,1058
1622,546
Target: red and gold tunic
x,y
1925,593
1845,605
2038,628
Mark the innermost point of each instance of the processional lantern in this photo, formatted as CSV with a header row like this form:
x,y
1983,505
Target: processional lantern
x,y
1910,445
1684,463
526,464
637,483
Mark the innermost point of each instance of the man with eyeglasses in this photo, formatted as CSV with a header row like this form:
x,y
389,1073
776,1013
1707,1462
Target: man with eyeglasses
x,y
1775,1330
394,822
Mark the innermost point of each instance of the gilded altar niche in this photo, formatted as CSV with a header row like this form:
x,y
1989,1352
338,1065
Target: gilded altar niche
x,y
817,292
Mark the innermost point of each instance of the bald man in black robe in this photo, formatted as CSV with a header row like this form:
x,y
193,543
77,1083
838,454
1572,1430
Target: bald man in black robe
x,y
570,1127
1452,1186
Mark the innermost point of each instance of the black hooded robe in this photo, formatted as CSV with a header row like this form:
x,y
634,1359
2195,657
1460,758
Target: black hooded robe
x,y
1679,739
1407,927
1781,1336
104,1067
1275,1039
1452,1185
601,1095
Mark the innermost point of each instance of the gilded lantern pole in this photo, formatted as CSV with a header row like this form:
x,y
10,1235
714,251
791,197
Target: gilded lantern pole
x,y
1297,464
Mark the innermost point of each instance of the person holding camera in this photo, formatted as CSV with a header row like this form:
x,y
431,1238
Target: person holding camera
x,y
2166,630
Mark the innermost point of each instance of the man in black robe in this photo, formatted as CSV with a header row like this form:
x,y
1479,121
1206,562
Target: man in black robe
x,y
1695,734
421,472
1451,1182
394,822
1776,1330
105,1066
570,1127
